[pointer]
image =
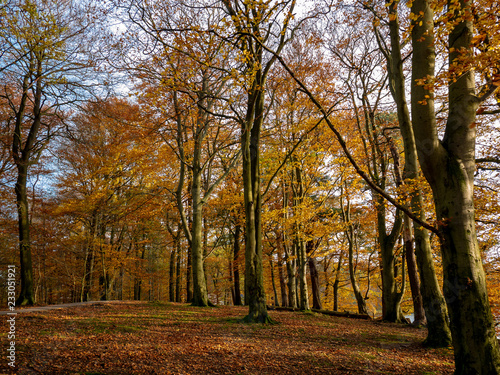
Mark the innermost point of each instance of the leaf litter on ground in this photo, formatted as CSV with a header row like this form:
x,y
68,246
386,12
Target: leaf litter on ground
x,y
173,338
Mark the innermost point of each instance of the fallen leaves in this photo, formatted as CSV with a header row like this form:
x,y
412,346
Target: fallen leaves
x,y
180,339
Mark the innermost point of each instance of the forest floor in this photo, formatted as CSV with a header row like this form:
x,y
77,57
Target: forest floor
x,y
174,338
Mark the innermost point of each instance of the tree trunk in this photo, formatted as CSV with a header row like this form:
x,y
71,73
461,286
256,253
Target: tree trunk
x,y
449,165
171,273
236,270
273,281
284,298
351,241
411,263
391,296
200,294
178,276
26,296
290,268
352,275
250,142
138,279
299,244
303,294
336,283
189,278
313,272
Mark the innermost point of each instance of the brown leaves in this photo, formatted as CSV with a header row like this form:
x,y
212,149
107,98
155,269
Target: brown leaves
x,y
138,338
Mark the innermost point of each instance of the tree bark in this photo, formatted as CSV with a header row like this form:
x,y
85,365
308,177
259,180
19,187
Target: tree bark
x,y
299,243
350,234
26,296
449,165
284,297
178,278
250,143
336,283
291,273
313,272
236,262
411,263
391,296
200,294
273,281
171,274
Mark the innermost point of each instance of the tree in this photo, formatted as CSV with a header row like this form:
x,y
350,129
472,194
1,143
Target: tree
x,y
434,305
107,190
45,50
448,163
255,23
186,85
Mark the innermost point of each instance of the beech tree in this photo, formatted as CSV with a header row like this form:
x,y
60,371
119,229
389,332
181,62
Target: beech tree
x,y
45,52
254,24
448,163
433,300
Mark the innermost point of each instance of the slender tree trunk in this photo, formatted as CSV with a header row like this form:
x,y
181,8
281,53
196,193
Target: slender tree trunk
x,y
291,271
351,240
284,297
352,275
138,279
171,273
273,281
336,283
300,246
302,281
418,306
189,277
391,296
178,275
236,262
313,272
449,165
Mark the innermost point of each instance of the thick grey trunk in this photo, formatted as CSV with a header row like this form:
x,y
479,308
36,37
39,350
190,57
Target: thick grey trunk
x,y
200,294
449,165
254,275
26,296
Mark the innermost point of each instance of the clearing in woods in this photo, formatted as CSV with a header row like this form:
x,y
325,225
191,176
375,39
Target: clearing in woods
x,y
157,338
